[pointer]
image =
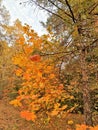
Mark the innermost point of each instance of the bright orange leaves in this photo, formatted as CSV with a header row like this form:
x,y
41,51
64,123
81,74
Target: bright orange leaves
x,y
21,40
28,115
84,127
16,103
40,89
18,72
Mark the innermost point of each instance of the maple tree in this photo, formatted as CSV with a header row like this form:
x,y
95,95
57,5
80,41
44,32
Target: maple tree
x,y
40,90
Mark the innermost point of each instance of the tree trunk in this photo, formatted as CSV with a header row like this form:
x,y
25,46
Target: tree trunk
x,y
86,91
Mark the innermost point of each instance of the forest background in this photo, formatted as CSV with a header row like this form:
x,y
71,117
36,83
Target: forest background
x,y
57,73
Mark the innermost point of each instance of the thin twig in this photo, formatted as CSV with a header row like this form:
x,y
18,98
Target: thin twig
x,y
93,7
60,8
47,10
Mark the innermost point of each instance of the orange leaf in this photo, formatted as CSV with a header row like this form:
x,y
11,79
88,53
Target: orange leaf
x,y
52,76
16,103
18,72
28,115
54,113
26,76
21,40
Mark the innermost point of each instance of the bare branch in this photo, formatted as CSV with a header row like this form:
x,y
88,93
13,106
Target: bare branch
x,y
60,8
63,52
73,18
49,11
93,7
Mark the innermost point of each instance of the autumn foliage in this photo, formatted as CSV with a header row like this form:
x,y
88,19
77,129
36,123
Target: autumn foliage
x,y
41,91
84,127
56,73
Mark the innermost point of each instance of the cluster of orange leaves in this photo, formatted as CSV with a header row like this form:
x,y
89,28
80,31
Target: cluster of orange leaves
x,y
85,127
28,115
40,89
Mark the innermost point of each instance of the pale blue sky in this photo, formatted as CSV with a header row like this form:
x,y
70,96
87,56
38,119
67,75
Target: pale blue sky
x,y
26,14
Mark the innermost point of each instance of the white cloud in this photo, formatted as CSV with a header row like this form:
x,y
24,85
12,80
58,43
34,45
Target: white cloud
x,y
26,14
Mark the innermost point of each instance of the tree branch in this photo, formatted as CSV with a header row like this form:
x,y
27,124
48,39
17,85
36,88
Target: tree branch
x,y
50,11
63,52
60,8
93,7
73,18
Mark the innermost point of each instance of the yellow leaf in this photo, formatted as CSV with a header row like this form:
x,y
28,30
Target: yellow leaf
x,y
56,105
16,103
54,113
39,74
64,107
18,72
70,122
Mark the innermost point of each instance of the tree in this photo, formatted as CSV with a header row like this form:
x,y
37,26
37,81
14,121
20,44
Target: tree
x,y
4,20
79,19
40,91
8,35
4,49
